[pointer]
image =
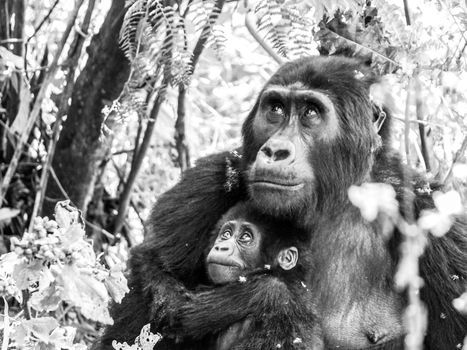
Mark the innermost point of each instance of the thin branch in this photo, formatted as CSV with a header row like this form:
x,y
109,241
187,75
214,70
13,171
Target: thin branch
x,y
364,48
47,16
123,151
180,140
138,157
252,29
458,154
421,127
132,203
6,325
137,162
461,31
407,122
74,54
407,13
38,102
25,304
137,139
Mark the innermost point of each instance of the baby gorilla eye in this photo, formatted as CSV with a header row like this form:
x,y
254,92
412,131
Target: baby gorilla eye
x,y
246,237
225,235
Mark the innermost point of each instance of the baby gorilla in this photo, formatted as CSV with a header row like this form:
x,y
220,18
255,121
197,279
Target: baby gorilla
x,y
246,242
241,247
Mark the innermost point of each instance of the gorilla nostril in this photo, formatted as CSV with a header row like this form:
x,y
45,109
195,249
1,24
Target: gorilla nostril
x,y
281,155
267,151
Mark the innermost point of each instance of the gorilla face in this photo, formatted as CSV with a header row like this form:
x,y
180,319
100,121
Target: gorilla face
x,y
308,138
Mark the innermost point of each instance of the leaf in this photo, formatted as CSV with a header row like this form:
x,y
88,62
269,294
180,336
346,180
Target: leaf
x,y
21,119
62,337
41,327
74,234
116,284
47,299
26,273
8,213
85,292
144,341
11,57
67,215
448,203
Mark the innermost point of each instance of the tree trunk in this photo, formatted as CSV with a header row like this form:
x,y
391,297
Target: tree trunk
x,y
82,147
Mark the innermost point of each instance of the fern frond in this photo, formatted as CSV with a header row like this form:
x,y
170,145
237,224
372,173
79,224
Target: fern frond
x,y
133,24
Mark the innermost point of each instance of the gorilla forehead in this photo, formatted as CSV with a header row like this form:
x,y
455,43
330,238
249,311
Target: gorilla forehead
x,y
334,73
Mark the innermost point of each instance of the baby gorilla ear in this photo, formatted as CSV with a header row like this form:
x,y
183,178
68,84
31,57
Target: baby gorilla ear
x,y
288,258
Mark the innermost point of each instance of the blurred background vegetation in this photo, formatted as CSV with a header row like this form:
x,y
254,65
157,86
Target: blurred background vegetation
x,y
105,102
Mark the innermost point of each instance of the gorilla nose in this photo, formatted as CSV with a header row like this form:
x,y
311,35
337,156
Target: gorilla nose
x,y
278,151
224,248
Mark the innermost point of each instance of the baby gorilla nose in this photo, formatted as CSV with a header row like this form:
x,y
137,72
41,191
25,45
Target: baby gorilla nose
x,y
225,248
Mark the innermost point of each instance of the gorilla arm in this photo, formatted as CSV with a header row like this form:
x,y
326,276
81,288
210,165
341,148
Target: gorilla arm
x,y
277,313
443,268
171,257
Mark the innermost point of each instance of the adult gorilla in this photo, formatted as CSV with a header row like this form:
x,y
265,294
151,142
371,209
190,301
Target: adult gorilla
x,y
309,137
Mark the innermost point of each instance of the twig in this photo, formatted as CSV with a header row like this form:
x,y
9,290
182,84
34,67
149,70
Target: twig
x,y
47,16
59,185
74,54
421,127
407,122
36,30
424,122
365,48
138,156
25,304
461,31
180,141
12,40
407,13
6,325
458,154
251,28
38,102
137,162
122,151
132,203
100,229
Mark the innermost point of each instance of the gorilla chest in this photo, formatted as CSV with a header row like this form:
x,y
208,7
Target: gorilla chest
x,y
352,288
360,324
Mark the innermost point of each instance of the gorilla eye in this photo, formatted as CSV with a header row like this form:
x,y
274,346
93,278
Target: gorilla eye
x,y
310,117
246,237
226,234
276,113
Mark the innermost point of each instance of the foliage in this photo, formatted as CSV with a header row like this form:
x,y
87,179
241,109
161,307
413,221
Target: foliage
x,y
423,66
55,275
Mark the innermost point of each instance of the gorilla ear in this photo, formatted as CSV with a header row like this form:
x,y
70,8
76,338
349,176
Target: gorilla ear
x,y
288,258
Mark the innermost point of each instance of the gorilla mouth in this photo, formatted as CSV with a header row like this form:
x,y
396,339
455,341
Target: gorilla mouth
x,y
226,264
277,184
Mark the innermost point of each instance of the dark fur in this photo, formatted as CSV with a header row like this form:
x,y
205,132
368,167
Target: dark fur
x,y
169,263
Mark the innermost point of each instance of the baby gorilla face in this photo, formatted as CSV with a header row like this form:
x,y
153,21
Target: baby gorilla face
x,y
236,249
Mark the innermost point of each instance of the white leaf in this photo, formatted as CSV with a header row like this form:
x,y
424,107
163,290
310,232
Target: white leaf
x,y
448,203
8,213
21,119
